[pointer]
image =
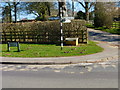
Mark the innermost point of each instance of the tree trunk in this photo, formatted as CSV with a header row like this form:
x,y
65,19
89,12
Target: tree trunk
x,y
87,15
73,8
86,11
64,8
15,14
10,16
49,12
10,13
48,8
15,11
86,6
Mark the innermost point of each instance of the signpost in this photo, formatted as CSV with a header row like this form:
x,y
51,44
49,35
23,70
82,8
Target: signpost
x,y
13,44
63,20
61,28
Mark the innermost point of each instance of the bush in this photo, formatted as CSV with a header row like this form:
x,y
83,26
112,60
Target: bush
x,y
103,17
90,25
42,18
80,15
114,31
43,32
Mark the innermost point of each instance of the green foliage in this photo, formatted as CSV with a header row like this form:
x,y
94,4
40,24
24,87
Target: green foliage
x,y
113,30
40,9
91,15
87,6
6,14
10,10
40,32
42,18
90,26
39,50
80,15
103,15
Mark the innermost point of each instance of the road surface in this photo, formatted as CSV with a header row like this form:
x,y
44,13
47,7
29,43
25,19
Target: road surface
x,y
100,75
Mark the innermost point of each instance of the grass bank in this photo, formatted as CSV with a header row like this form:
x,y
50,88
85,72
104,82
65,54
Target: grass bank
x,y
111,30
40,50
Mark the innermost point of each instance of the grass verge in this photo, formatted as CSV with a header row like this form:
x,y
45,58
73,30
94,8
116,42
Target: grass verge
x,y
40,50
111,30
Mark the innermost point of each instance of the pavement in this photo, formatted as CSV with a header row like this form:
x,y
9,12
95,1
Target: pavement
x,y
110,43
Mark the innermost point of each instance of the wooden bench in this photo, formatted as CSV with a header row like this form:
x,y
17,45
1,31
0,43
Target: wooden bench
x,y
71,41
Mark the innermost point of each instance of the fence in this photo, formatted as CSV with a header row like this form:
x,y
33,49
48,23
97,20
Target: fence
x,y
43,32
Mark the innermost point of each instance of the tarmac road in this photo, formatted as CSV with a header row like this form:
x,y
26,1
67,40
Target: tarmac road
x,y
102,75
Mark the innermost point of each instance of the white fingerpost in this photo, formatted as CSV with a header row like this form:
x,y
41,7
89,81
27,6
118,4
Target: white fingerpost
x,y
61,28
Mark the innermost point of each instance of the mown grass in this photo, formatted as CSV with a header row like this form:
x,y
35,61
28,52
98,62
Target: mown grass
x,y
40,50
113,29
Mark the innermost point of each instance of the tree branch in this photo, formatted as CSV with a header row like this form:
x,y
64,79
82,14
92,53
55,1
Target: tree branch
x,y
35,13
82,4
91,5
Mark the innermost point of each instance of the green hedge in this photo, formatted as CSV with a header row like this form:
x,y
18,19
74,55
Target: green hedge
x,y
43,32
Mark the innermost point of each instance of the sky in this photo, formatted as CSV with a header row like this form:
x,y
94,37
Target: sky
x,y
21,15
77,8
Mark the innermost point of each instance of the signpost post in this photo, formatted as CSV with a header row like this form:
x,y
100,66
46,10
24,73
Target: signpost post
x,y
61,28
63,20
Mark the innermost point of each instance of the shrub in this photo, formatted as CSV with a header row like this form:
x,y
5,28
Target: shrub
x,y
43,32
103,15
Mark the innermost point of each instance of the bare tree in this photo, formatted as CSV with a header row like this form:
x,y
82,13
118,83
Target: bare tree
x,y
87,6
15,10
6,13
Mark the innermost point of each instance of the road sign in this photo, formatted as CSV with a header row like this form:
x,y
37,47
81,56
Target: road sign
x,y
66,19
13,44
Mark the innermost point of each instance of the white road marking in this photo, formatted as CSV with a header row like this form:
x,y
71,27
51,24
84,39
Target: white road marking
x,y
56,70
114,66
89,69
95,66
81,72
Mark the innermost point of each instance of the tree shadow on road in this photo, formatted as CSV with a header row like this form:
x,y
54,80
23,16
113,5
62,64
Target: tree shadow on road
x,y
103,36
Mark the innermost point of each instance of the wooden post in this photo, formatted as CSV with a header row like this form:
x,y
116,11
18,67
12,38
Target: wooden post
x,y
8,47
11,36
18,46
87,35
